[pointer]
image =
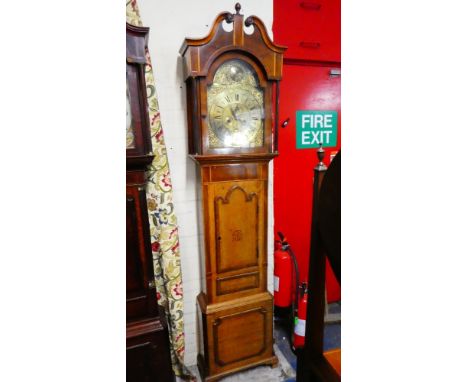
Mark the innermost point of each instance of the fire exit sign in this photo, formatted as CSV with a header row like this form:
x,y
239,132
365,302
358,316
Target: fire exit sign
x,y
314,127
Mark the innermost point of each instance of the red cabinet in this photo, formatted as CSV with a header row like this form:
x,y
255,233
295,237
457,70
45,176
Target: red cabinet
x,y
310,29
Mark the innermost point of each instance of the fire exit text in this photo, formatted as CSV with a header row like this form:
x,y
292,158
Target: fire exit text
x,y
314,127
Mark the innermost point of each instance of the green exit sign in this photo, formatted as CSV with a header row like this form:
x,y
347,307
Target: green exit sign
x,y
314,127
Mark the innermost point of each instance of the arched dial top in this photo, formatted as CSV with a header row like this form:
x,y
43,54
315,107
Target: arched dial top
x,y
235,107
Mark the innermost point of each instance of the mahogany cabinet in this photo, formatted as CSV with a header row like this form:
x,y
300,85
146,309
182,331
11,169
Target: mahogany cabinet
x,y
148,354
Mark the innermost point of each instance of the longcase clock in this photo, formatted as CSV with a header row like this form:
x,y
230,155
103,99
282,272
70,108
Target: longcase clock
x,y
232,80
148,354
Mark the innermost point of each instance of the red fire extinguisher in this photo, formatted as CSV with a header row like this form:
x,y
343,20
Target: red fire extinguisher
x,y
282,277
286,288
285,268
300,320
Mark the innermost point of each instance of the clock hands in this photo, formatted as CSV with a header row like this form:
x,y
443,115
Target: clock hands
x,y
233,113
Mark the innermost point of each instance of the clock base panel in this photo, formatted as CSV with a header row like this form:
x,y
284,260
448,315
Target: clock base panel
x,y
235,335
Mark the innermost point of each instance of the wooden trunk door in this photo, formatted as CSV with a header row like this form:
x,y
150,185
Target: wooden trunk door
x,y
239,237
141,296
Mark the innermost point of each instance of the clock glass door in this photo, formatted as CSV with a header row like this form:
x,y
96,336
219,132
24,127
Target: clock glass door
x,y
235,107
130,130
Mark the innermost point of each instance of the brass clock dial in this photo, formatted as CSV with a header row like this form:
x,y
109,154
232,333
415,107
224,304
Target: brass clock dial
x,y
235,107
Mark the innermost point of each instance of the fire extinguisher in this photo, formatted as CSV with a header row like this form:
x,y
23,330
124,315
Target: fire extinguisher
x,y
286,282
282,277
300,319
285,291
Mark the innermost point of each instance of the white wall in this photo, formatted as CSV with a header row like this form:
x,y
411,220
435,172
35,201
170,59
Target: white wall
x,y
170,23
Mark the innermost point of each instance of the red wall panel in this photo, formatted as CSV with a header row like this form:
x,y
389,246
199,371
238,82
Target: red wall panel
x,y
306,85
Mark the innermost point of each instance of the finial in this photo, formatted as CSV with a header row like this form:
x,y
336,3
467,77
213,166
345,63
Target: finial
x,y
238,8
320,154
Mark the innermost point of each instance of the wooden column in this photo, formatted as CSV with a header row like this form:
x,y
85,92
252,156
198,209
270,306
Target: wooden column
x,y
312,365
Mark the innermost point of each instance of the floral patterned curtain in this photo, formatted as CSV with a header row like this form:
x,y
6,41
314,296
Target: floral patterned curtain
x,y
163,222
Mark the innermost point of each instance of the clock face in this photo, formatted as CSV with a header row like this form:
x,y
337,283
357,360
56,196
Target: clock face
x,y
235,107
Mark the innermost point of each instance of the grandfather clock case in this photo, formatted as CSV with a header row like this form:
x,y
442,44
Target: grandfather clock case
x,y
148,354
232,80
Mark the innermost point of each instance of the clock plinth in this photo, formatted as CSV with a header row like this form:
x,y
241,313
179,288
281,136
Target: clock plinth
x,y
231,80
237,335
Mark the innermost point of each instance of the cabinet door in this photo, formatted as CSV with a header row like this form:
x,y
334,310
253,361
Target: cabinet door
x,y
310,29
140,363
239,230
141,297
148,358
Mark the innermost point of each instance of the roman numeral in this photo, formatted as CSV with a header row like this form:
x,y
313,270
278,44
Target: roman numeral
x,y
237,97
227,99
